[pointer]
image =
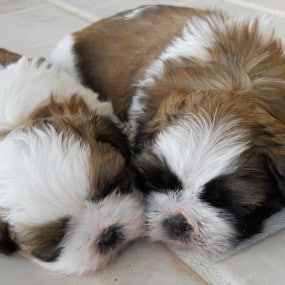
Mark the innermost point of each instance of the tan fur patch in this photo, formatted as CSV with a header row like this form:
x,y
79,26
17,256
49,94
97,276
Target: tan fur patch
x,y
7,57
43,242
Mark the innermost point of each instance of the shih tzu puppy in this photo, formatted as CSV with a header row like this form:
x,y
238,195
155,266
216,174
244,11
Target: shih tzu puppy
x,y
203,96
66,198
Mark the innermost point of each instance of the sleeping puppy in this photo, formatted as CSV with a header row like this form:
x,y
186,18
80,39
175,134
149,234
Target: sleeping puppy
x,y
203,96
66,198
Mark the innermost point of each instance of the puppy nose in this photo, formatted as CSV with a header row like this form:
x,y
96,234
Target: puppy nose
x,y
110,238
177,226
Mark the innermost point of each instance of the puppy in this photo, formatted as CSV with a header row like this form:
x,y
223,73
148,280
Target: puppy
x,y
203,95
66,198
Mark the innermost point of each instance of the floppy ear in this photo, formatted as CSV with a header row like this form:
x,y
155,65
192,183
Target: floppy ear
x,y
281,182
106,131
271,142
7,245
277,168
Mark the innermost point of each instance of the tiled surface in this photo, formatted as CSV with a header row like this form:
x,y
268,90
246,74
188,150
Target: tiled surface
x,y
8,6
35,30
110,7
142,263
261,263
259,4
32,27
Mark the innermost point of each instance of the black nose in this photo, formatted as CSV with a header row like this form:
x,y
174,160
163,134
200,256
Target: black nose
x,y
110,238
177,227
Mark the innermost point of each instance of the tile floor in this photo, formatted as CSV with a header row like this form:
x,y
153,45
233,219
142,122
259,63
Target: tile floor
x,y
32,27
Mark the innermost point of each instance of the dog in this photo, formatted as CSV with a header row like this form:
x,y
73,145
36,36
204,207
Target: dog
x,y
67,200
202,95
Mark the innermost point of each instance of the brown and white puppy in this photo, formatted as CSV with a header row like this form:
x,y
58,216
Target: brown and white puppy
x,y
66,198
204,97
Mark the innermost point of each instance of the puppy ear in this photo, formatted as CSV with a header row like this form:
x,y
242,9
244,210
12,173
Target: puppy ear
x,y
109,173
106,131
7,245
277,168
44,242
271,142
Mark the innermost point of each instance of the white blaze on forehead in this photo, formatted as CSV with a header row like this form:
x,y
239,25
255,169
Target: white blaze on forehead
x,y
43,176
197,149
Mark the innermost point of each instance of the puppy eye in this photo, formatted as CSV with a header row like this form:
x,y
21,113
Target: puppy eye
x,y
216,193
158,180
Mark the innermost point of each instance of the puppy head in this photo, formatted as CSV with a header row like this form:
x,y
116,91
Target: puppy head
x,y
69,202
211,169
66,196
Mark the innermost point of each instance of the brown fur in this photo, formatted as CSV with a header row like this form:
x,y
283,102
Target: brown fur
x,y
112,63
43,242
7,57
109,148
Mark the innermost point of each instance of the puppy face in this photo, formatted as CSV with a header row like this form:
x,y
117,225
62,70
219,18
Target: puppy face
x,y
66,197
211,169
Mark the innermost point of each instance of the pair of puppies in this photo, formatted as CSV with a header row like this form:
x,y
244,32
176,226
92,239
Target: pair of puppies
x,y
201,97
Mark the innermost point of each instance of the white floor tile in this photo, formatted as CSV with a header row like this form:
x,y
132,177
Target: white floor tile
x,y
35,32
12,6
271,4
110,7
142,264
261,263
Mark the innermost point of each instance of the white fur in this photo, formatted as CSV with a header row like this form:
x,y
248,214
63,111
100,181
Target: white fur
x,y
80,253
135,12
64,58
43,176
27,84
197,150
266,25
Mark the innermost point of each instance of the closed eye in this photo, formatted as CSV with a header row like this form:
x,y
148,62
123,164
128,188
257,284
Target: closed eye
x,y
156,176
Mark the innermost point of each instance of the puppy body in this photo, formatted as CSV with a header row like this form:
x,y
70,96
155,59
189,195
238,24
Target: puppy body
x,y
203,97
66,198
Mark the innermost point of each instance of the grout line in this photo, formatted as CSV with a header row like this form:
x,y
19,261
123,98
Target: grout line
x,y
21,11
73,10
257,7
